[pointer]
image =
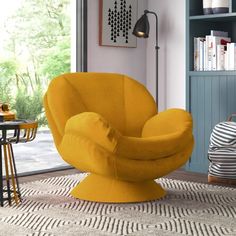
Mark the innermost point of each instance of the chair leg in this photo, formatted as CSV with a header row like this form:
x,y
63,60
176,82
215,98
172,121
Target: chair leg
x,y
16,176
1,178
7,173
12,174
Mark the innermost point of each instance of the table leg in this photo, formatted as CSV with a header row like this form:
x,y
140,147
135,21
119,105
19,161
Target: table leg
x,y
1,178
6,158
16,176
12,173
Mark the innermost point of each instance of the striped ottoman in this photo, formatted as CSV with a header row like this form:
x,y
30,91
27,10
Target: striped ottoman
x,y
222,153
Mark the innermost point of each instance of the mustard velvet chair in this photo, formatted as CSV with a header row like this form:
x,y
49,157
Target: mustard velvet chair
x,y
107,124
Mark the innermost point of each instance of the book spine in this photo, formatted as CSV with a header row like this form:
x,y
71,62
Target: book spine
x,y
201,49
231,56
234,57
227,57
228,54
210,52
196,54
207,53
217,41
220,57
204,55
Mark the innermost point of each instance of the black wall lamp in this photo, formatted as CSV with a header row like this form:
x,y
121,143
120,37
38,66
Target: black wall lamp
x,y
141,30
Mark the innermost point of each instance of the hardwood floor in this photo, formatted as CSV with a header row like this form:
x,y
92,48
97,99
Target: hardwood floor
x,y
178,174
35,177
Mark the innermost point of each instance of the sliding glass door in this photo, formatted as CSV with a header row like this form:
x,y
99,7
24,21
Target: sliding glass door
x,y
40,39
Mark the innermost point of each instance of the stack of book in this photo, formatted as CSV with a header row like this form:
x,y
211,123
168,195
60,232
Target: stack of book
x,y
214,52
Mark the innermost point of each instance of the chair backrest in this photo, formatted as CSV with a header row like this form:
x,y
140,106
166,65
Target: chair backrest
x,y
124,102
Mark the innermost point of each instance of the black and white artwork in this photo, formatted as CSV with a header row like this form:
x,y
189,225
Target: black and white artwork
x,y
117,20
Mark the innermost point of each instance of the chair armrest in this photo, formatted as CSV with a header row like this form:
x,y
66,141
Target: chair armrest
x,y
153,148
163,135
166,122
94,127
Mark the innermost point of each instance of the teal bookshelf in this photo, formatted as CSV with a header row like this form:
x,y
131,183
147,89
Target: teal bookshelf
x,y
211,95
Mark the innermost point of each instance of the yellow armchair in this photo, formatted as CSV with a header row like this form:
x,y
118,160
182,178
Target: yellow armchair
x,y
107,124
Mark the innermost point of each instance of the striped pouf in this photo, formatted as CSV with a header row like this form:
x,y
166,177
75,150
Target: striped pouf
x,y
222,151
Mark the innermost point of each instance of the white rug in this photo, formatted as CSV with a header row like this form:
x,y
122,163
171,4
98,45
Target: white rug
x,y
188,209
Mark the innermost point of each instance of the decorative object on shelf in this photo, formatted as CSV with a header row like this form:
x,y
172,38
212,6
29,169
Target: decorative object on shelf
x,y
207,7
5,113
116,20
141,30
220,6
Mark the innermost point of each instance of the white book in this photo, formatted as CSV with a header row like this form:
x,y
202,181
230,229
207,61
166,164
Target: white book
x,y
227,57
198,47
220,57
217,41
201,48
209,51
205,56
232,57
196,55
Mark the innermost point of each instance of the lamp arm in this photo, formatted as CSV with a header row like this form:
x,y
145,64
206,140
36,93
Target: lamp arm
x,y
154,13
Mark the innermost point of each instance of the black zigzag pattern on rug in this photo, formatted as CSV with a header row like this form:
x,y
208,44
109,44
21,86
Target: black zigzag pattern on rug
x,y
112,225
164,210
35,221
92,207
193,228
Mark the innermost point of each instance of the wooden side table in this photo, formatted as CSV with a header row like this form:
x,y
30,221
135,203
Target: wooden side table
x,y
16,131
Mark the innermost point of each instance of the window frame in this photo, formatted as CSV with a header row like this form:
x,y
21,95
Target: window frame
x,y
81,63
81,35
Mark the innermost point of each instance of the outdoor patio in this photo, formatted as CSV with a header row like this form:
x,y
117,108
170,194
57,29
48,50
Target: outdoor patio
x,y
38,155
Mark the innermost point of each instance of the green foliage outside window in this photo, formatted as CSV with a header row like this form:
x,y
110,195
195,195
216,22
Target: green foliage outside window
x,y
37,49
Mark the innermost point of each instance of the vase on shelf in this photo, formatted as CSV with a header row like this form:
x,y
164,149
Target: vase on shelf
x,y
220,6
207,7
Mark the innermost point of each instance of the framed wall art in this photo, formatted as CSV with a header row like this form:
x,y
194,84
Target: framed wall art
x,y
116,22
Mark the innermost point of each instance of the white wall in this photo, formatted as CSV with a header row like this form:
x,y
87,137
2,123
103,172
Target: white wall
x,y
171,16
133,62
130,61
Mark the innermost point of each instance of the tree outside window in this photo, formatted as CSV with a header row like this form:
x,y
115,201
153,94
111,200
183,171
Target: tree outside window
x,y
34,48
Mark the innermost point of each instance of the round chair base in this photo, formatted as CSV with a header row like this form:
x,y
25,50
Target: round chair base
x,y
102,189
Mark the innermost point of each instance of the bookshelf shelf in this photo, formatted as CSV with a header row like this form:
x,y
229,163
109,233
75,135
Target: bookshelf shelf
x,y
212,73
210,95
214,17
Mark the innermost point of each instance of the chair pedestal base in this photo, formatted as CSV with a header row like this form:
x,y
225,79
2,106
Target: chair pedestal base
x,y
102,189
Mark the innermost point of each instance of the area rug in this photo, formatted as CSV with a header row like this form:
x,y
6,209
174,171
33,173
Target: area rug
x,y
189,208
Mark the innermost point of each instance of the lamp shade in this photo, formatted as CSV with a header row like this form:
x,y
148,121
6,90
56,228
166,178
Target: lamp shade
x,y
141,28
